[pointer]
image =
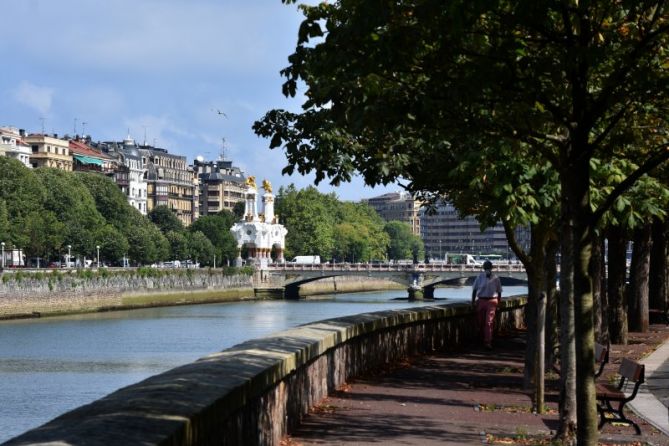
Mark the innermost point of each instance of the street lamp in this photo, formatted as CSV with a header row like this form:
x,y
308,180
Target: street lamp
x,y
3,254
69,248
98,248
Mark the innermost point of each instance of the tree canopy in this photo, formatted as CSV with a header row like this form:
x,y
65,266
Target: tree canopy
x,y
435,94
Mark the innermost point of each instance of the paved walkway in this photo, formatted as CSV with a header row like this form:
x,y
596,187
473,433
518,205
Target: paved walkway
x,y
464,397
652,401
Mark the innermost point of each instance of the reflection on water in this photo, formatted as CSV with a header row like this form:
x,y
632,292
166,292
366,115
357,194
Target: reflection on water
x,y
52,365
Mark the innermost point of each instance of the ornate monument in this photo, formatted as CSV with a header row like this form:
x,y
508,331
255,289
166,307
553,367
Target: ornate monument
x,y
260,233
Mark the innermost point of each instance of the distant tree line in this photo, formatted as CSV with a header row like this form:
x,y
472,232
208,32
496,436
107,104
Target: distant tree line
x,y
42,211
321,224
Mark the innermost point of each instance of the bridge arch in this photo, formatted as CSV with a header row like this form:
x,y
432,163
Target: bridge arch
x,y
420,280
292,285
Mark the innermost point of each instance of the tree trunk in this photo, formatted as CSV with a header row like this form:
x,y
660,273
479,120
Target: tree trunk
x,y
567,426
659,268
535,286
638,289
616,285
595,272
552,320
604,336
576,209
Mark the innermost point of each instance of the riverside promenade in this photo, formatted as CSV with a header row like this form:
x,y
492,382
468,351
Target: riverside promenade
x,y
475,396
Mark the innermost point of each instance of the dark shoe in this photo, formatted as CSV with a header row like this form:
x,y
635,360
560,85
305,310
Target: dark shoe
x,y
488,346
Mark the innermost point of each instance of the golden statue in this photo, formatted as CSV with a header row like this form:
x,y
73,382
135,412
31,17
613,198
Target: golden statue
x,y
251,181
267,186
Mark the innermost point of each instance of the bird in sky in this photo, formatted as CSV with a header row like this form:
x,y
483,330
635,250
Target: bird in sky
x,y
220,112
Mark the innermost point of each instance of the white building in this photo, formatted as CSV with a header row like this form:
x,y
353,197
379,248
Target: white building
x,y
13,146
259,233
137,188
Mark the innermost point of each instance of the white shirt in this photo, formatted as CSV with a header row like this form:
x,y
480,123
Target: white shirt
x,y
486,287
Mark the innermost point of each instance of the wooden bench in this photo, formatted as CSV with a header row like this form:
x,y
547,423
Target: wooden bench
x,y
601,359
631,372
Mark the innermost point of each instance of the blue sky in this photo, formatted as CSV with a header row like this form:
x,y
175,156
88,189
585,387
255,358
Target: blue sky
x,y
156,68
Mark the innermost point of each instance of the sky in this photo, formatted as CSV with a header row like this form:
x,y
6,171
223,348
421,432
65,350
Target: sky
x,y
159,71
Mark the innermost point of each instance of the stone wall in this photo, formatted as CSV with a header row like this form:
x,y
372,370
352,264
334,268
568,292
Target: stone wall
x,y
27,295
256,392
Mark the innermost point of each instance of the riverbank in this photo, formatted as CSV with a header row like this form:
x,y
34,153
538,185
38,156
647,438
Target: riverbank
x,y
28,295
35,295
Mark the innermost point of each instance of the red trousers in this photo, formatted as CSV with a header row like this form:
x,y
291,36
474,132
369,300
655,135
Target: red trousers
x,y
485,312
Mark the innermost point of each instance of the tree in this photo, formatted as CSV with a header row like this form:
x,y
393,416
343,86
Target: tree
x,y
238,210
403,243
200,248
178,245
308,220
4,221
217,229
73,205
113,244
110,201
411,90
44,234
165,219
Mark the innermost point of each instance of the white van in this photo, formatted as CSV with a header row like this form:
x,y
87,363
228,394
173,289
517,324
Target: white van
x,y
306,260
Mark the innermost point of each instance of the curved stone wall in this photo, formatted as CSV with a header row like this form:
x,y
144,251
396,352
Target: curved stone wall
x,y
256,392
71,291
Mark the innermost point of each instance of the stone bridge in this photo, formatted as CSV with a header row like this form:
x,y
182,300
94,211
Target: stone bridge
x,y
284,280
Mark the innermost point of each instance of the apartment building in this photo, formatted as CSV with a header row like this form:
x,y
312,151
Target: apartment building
x,y
170,182
222,185
87,159
13,146
399,206
49,151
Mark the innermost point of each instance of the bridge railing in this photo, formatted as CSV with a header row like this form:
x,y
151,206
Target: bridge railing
x,y
420,267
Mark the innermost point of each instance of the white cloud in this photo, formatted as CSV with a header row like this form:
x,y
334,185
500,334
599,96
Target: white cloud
x,y
34,96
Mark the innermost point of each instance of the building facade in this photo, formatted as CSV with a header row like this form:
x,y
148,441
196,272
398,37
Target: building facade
x,y
87,159
171,183
445,232
398,206
49,151
130,175
222,185
13,146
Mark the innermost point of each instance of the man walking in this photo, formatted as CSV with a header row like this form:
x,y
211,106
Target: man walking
x,y
486,294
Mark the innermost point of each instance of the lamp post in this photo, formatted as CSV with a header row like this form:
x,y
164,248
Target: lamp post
x,y
98,248
3,254
440,250
69,249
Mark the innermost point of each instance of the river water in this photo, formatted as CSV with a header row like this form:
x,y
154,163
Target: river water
x,y
52,365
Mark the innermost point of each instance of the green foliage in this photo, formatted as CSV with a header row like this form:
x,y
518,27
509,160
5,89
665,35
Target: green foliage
x,y
72,204
4,221
165,219
319,224
217,229
238,210
403,243
308,221
113,244
178,245
200,249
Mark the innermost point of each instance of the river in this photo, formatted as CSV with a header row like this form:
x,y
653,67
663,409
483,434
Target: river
x,y
52,365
